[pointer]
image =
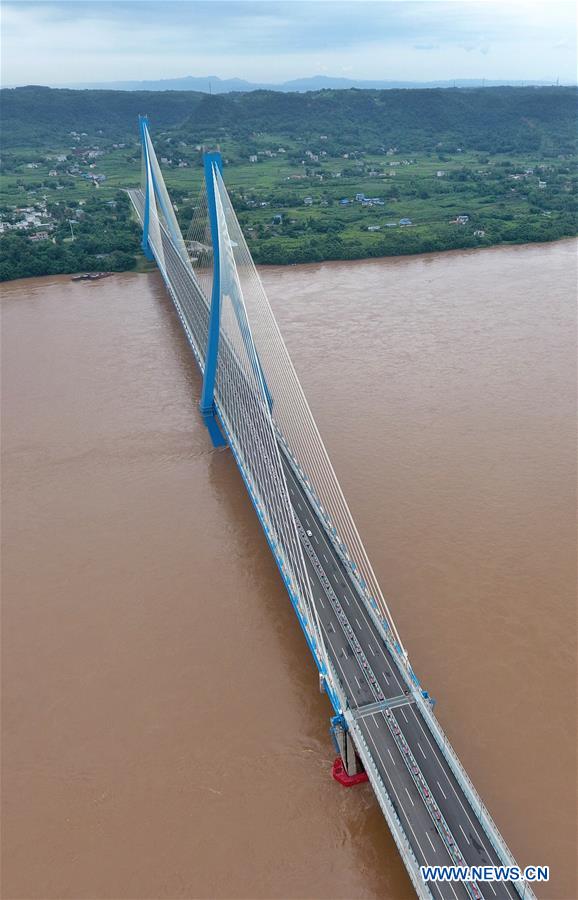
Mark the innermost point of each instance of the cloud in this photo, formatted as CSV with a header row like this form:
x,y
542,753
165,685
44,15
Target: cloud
x,y
51,42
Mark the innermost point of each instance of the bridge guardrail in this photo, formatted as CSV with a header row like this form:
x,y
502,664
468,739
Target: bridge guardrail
x,y
470,792
391,817
380,791
475,801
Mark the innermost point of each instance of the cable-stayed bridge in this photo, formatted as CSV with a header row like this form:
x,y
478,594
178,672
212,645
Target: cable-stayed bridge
x,y
383,723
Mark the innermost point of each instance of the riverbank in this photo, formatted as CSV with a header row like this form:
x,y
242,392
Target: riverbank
x,y
140,264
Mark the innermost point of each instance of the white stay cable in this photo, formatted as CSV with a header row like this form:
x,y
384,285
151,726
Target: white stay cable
x,y
279,490
292,413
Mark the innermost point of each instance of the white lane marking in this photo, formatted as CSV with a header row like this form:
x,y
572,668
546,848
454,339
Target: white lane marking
x,y
299,505
422,753
315,538
358,681
442,790
358,625
370,625
464,834
384,675
430,840
436,757
404,715
330,625
347,601
321,602
372,629
371,648
335,653
409,795
392,759
401,806
492,887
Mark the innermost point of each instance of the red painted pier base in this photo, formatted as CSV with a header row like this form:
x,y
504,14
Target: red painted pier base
x,y
343,778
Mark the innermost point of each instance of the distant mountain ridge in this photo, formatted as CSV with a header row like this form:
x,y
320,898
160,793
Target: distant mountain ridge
x,y
212,84
496,119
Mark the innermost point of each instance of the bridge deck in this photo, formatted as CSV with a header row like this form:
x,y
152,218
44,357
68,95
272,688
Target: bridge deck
x,y
425,839
369,673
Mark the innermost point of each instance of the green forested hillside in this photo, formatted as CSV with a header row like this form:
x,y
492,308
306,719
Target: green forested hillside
x,y
502,119
322,175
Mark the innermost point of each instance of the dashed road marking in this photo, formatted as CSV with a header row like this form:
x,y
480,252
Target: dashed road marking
x,y
464,834
409,795
441,789
421,748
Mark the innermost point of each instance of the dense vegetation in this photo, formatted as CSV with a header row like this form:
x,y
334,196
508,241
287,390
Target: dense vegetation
x,y
504,119
503,158
105,238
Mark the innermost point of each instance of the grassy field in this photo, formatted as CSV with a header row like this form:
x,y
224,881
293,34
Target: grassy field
x,y
307,196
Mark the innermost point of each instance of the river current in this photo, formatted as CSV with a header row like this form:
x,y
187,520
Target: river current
x,y
163,732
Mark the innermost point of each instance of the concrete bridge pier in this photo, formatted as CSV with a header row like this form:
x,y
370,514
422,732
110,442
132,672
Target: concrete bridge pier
x,y
347,768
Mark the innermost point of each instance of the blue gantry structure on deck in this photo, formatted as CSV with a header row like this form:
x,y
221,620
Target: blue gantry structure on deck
x,y
382,720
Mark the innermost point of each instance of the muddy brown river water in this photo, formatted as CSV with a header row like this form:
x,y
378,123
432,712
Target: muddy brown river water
x,y
163,733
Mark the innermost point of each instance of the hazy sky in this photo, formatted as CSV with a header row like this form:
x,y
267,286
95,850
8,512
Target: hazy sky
x,y
54,42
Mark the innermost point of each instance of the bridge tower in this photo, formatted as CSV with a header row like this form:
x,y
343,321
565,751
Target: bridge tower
x,y
143,127
212,163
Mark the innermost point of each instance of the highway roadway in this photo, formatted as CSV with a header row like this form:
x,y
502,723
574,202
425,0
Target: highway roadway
x,y
428,846
415,773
